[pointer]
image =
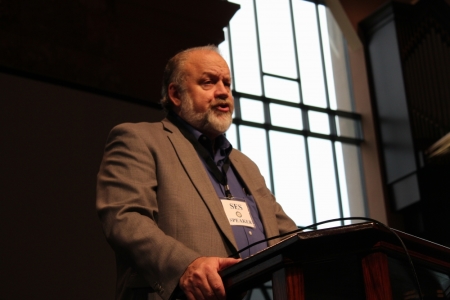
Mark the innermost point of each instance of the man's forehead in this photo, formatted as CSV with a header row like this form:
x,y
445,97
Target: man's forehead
x,y
206,61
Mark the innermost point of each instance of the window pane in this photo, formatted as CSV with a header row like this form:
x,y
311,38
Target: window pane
x,y
324,180
347,127
252,110
309,54
350,180
327,54
286,116
247,74
231,136
276,38
336,62
281,89
290,176
319,122
224,48
254,145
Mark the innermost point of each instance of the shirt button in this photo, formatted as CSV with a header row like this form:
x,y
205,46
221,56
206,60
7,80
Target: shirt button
x,y
249,232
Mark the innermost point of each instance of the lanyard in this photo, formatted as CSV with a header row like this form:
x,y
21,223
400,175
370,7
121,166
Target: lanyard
x,y
221,176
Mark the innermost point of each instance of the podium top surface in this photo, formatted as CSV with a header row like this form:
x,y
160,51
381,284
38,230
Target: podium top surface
x,y
332,243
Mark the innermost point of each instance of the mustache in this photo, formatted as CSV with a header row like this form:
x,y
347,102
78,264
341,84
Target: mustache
x,y
220,102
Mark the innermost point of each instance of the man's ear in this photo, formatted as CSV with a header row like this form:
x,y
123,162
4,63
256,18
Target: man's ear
x,y
174,94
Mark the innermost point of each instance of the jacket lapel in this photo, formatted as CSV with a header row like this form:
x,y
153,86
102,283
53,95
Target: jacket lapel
x,y
199,178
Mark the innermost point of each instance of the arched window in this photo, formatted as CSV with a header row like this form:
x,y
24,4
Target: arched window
x,y
294,109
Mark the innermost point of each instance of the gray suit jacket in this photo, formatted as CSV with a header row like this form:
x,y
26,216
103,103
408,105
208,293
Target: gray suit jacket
x,y
160,211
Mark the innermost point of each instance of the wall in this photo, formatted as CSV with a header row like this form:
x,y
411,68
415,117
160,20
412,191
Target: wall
x,y
52,144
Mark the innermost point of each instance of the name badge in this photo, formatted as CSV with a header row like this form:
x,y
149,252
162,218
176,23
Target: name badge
x,y
237,213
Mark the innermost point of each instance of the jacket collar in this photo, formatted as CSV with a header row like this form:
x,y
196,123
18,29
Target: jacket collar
x,y
190,161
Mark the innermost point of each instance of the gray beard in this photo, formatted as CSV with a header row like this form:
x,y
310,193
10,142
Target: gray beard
x,y
209,122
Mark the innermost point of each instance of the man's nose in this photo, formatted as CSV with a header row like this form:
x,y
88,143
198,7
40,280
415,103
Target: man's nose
x,y
222,91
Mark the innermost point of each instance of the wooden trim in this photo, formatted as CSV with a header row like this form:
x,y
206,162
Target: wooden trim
x,y
289,284
376,277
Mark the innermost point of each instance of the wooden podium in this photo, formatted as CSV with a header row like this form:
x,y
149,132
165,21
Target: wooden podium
x,y
361,261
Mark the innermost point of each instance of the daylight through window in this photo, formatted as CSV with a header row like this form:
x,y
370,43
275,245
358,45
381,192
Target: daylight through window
x,y
294,112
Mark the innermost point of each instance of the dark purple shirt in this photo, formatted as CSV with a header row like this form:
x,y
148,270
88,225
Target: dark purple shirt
x,y
244,235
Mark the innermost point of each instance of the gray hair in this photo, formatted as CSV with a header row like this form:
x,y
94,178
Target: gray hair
x,y
174,73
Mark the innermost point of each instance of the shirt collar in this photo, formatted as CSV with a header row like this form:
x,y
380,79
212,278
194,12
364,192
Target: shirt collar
x,y
221,143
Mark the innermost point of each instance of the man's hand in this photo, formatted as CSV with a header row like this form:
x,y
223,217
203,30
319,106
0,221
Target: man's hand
x,y
201,279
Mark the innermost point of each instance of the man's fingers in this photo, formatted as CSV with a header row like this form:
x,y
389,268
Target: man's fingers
x,y
227,262
201,279
210,283
195,281
216,285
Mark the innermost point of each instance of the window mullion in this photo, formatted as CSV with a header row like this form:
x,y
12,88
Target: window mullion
x,y
338,185
324,70
258,44
310,181
297,62
266,105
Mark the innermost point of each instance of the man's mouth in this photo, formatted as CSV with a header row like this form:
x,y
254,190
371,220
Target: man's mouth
x,y
223,107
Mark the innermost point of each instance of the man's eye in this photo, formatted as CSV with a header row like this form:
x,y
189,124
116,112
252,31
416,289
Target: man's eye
x,y
207,84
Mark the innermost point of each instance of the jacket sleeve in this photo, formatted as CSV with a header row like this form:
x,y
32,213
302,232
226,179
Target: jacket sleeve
x,y
127,205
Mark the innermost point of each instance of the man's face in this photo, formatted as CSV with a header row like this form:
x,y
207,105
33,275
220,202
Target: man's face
x,y
206,100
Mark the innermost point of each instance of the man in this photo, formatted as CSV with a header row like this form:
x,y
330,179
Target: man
x,y
174,198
